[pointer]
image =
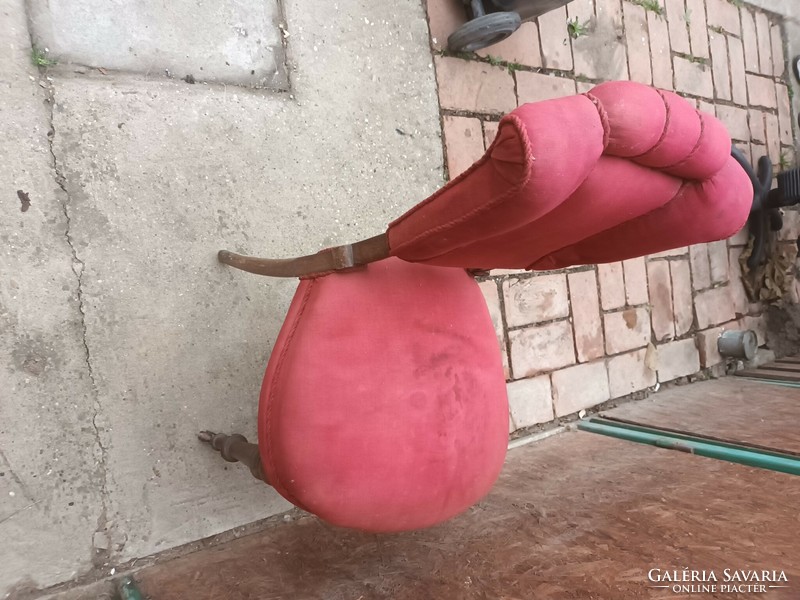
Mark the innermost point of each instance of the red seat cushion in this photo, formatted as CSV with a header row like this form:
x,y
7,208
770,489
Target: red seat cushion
x,y
384,403
621,171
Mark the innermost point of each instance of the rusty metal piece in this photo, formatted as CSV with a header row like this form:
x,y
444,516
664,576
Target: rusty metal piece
x,y
478,272
236,448
326,261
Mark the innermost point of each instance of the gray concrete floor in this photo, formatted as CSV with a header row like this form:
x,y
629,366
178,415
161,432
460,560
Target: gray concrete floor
x,y
121,335
233,42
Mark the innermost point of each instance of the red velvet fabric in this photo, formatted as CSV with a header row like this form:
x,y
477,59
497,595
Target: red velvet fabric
x,y
622,171
384,403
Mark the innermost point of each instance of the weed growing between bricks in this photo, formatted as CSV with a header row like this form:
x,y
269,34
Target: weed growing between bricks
x,y
577,29
652,6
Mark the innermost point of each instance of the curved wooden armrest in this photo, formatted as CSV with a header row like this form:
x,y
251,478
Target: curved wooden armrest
x,y
325,261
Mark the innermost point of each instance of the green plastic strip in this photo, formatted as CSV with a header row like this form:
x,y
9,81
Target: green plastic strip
x,y
678,435
773,461
129,591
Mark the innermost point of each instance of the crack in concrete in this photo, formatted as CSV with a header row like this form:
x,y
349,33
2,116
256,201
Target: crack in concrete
x,y
102,554
4,460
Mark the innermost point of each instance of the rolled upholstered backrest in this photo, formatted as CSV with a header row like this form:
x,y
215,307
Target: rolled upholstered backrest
x,y
384,403
621,171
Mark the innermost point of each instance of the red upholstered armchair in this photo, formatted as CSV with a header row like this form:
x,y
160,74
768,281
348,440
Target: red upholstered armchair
x,y
400,420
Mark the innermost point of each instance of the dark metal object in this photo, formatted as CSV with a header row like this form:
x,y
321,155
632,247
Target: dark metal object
x,y
236,448
492,21
326,261
761,181
483,31
738,344
526,9
765,215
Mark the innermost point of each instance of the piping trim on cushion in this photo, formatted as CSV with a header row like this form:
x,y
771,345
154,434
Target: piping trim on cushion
x,y
680,163
532,266
271,399
601,110
448,185
664,131
529,158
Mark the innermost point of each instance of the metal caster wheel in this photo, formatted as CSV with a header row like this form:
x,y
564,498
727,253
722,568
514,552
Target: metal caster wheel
x,y
483,31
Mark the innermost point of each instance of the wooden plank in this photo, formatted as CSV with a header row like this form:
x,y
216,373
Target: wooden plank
x,y
574,516
731,408
770,374
776,366
789,359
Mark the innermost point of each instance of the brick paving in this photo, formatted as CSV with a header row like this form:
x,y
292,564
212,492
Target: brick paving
x,y
575,338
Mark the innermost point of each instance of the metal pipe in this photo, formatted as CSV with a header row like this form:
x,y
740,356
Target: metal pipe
x,y
762,459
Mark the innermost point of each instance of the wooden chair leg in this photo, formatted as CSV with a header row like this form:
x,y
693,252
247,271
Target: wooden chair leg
x,y
236,448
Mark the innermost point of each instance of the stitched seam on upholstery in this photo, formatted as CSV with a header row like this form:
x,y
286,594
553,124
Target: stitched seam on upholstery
x,y
682,162
318,275
603,123
339,270
601,111
480,209
530,267
449,184
663,131
281,359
